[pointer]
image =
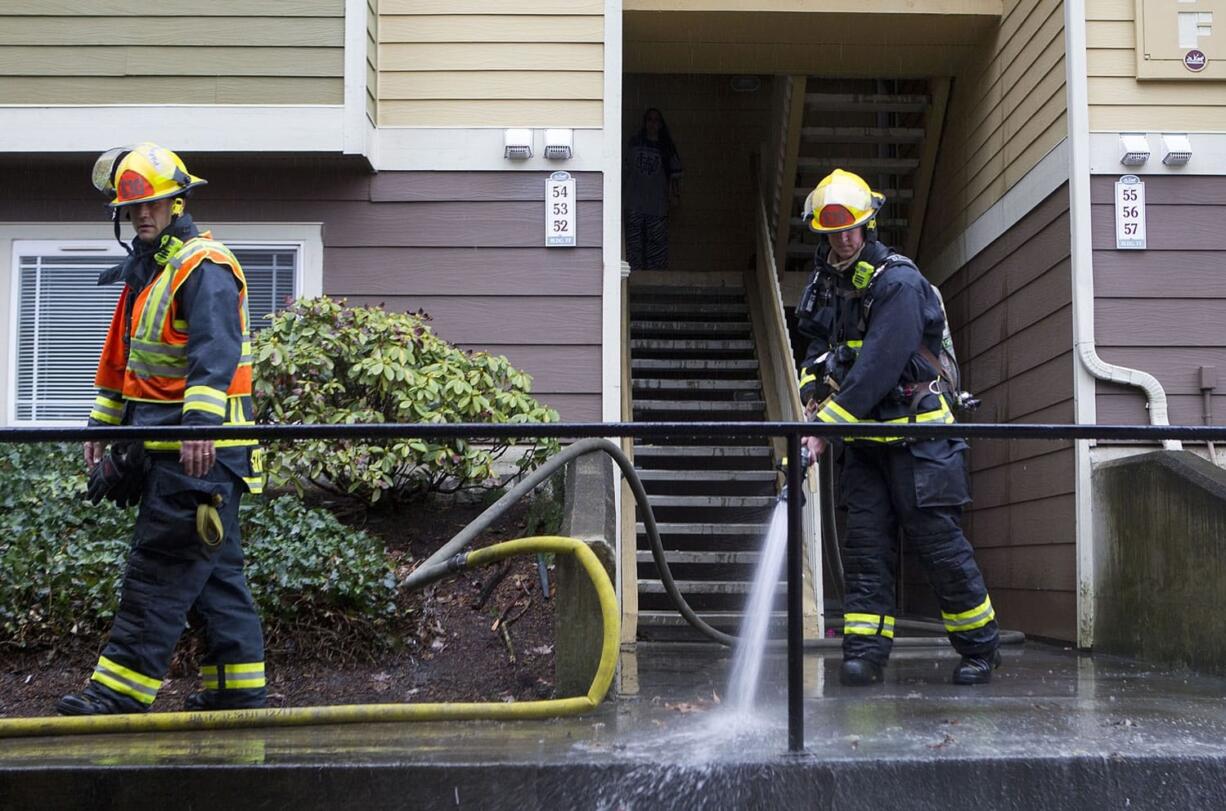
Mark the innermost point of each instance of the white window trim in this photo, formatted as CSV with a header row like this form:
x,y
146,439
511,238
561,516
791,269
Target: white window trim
x,y
307,238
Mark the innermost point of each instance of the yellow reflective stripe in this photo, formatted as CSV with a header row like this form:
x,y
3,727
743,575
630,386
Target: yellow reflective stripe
x,y
255,484
179,324
205,398
208,408
126,681
835,413
174,444
807,377
243,676
868,625
107,410
942,414
976,617
855,344
128,673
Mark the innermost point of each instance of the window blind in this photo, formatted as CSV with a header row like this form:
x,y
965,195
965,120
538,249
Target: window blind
x,y
63,316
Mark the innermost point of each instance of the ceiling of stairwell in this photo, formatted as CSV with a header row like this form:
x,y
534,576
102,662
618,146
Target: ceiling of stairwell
x,y
845,38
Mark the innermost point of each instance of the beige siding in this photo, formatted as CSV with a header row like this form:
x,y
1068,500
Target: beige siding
x,y
221,52
1007,111
1119,102
463,63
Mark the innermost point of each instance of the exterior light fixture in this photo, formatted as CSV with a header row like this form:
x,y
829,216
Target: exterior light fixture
x,y
1135,148
1176,148
517,144
559,144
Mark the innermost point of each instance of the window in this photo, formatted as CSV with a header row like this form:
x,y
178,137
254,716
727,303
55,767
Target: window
x,y
62,317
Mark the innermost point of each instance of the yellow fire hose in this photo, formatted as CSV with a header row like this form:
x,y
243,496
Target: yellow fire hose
x,y
378,713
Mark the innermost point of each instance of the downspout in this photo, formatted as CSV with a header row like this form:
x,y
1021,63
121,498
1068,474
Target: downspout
x,y
1080,218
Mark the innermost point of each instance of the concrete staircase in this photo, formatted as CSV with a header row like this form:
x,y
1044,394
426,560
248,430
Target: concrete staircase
x,y
693,359
884,130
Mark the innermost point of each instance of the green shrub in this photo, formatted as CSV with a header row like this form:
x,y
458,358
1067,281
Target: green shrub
x,y
322,362
61,560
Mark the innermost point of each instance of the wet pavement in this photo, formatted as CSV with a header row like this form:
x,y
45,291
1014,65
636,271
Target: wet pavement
x,y
1054,729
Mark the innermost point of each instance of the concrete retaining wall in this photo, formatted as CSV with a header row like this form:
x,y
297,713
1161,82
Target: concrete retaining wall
x,y
589,514
1160,528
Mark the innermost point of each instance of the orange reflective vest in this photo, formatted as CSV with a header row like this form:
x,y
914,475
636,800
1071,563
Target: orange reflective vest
x,y
153,366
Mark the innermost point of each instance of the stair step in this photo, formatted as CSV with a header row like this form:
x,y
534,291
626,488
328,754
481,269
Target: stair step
x,y
696,384
674,556
756,476
656,292
892,194
705,327
679,345
713,501
866,102
694,365
700,406
702,587
646,452
891,165
717,619
705,529
687,308
862,135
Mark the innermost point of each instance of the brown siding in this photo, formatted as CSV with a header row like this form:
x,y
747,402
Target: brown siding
x,y
463,246
1162,309
1010,309
717,131
1007,110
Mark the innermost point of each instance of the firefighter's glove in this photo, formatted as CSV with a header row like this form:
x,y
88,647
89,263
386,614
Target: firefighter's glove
x,y
811,373
119,477
208,523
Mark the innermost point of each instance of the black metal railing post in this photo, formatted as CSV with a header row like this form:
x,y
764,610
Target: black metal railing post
x,y
796,641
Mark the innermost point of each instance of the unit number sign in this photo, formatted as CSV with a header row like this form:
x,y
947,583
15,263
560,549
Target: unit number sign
x,y
1130,213
560,211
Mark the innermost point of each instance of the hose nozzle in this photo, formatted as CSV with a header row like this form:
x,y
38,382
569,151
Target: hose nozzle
x,y
806,459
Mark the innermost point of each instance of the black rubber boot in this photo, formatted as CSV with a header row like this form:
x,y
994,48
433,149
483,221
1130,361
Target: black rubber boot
x,y
976,669
226,700
96,699
860,673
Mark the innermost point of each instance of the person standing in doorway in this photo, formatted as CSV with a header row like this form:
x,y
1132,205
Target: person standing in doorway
x,y
651,184
875,328
178,353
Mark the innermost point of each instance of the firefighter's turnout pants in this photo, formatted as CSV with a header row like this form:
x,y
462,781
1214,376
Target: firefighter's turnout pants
x,y
171,571
920,488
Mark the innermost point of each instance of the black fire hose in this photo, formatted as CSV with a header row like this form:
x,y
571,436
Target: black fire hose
x,y
440,562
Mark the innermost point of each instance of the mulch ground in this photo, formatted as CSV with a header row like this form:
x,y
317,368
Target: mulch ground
x,y
462,654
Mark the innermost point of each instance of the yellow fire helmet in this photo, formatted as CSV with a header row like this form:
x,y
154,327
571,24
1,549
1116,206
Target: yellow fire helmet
x,y
841,201
141,174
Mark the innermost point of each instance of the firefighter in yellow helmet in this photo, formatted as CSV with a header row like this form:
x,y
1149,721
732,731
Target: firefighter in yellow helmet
x,y
876,354
177,353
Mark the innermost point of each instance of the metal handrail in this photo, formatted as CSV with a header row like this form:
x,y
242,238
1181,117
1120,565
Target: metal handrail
x,y
521,430
792,430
